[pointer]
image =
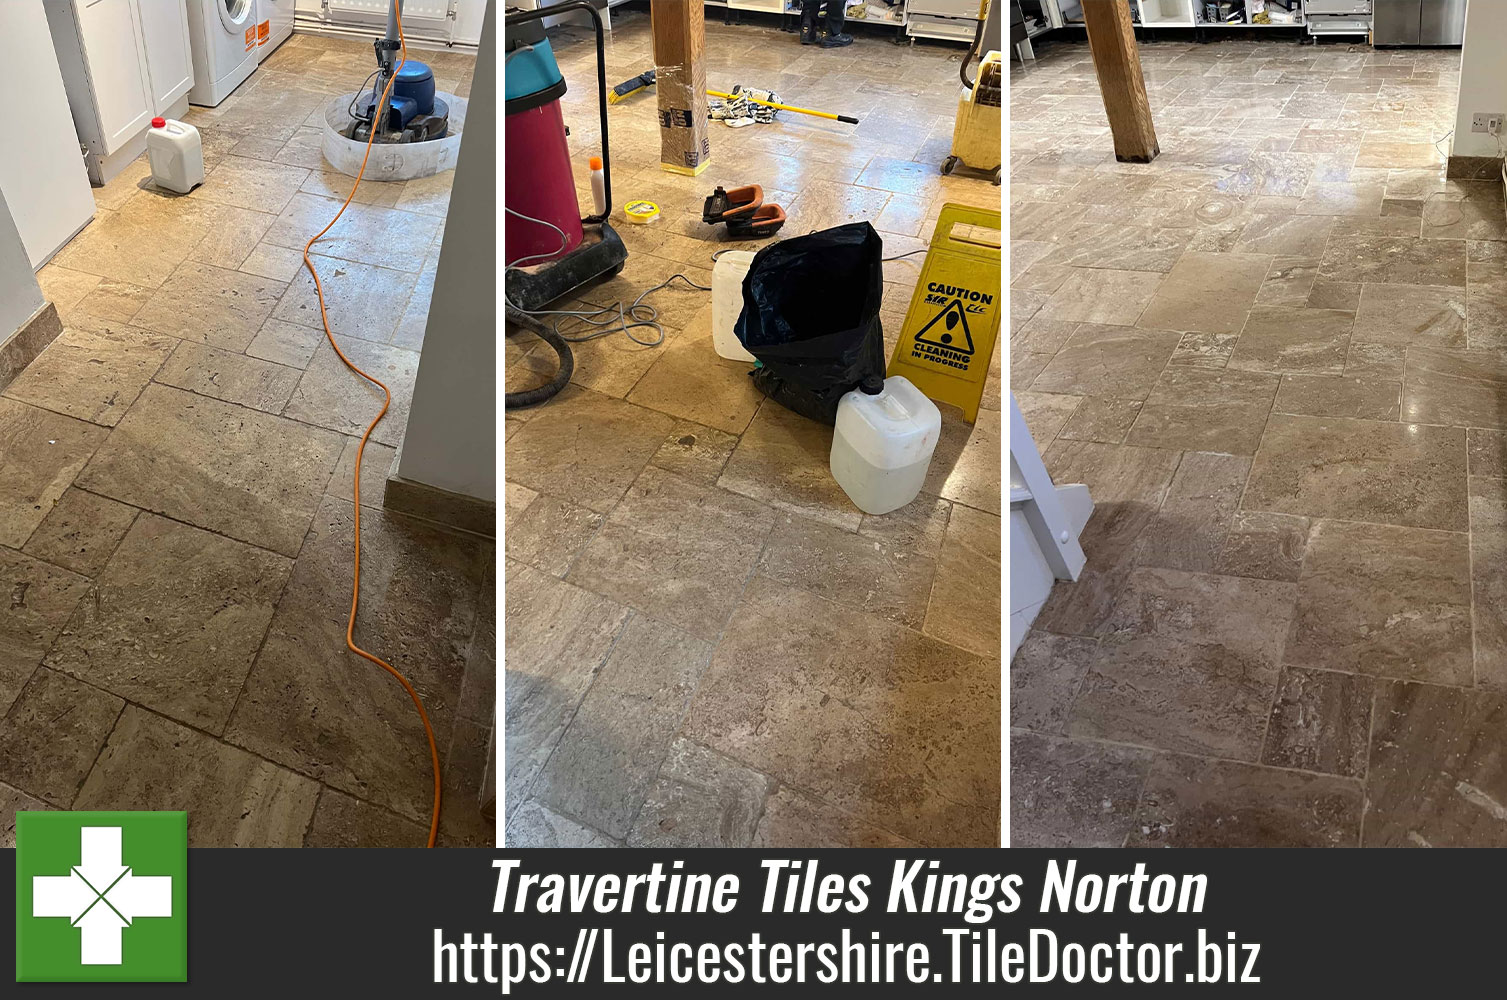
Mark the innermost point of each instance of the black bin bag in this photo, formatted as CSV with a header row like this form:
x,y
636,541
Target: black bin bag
x,y
811,315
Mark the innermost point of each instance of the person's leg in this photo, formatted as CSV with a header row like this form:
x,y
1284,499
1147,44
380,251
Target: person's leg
x,y
808,21
835,17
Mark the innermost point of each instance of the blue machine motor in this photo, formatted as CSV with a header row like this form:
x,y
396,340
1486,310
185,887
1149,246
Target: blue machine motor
x,y
414,114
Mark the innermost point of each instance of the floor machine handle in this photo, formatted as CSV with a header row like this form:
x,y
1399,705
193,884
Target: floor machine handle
x,y
539,14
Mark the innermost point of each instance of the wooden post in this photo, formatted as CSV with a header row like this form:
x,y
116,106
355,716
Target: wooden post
x,y
1117,60
680,78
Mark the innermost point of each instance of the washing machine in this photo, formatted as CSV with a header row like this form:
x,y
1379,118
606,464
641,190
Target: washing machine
x,y
223,37
274,27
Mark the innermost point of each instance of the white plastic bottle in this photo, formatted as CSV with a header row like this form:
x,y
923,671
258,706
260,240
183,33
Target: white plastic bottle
x,y
176,155
598,186
727,303
883,443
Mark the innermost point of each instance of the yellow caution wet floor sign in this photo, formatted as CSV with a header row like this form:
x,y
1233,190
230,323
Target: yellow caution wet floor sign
x,y
948,338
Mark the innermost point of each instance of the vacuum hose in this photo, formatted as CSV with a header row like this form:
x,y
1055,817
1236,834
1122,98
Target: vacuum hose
x,y
533,397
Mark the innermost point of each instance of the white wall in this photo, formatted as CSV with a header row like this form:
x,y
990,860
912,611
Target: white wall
x,y
451,440
20,297
1483,76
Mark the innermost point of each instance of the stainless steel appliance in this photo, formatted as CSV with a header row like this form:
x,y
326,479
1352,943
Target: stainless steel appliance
x,y
1419,22
1338,17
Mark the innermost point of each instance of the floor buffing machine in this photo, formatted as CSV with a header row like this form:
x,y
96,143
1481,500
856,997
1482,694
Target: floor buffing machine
x,y
551,249
410,112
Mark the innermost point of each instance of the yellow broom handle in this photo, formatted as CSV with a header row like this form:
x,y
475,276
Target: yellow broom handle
x,y
785,107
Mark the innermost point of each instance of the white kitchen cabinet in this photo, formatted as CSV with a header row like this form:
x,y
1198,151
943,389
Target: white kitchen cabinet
x,y
124,62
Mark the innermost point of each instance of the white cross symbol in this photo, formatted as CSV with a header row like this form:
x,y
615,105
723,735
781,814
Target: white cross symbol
x,y
100,896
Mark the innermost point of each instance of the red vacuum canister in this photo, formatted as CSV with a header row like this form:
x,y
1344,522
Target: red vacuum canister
x,y
540,184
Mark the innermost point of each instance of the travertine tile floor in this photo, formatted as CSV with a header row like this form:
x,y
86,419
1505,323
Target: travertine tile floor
x,y
175,515
1275,356
706,643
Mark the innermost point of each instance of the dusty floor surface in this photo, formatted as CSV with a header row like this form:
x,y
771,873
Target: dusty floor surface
x,y
175,515
706,642
1275,355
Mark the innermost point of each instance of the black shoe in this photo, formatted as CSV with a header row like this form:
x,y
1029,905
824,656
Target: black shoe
x,y
836,41
808,36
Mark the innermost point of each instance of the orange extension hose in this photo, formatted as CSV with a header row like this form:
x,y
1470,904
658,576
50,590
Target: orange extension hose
x,y
350,627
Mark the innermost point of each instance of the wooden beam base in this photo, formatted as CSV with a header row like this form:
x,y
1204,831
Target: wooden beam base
x,y
1117,60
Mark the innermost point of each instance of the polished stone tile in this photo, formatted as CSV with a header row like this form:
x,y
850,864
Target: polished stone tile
x,y
550,532
688,380
183,612
232,377
1119,362
607,761
1437,776
964,605
1321,721
1101,295
532,825
1203,410
1189,531
114,301
1411,315
330,395
42,597
1384,600
366,234
311,705
249,475
1103,420
1192,802
285,343
51,735
1486,303
877,720
589,448
342,820
1311,341
1044,679
557,636
362,301
1289,282
792,820
1363,470
1265,546
93,374
1488,577
1045,413
40,454
700,799
965,468
1455,388
1466,210
1073,793
1285,235
256,184
1042,336
127,248
695,452
1207,293
1393,260
1334,295
1487,451
1339,396
1204,350
277,263
211,305
81,532
1188,662
676,550
232,798
784,460
64,287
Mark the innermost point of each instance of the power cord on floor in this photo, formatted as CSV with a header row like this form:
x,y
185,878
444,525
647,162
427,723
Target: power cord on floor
x,y
350,625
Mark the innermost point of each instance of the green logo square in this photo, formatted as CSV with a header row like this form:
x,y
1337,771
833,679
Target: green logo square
x,y
101,897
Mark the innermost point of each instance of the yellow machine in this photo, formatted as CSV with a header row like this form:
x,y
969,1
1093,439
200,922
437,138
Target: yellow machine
x,y
976,131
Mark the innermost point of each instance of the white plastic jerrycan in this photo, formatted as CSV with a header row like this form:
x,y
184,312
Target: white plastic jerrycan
x,y
176,155
727,303
882,444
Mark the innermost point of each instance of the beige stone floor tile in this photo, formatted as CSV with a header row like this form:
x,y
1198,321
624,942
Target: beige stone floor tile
x,y
365,234
1334,295
1190,530
532,825
310,705
40,454
342,820
43,597
1204,350
1119,362
229,235
114,301
427,195
1073,793
784,460
330,395
1384,600
81,532
361,301
277,263
1339,396
133,178
1455,388
700,799
965,467
1101,295
1207,293
1204,410
677,551
1411,315
1470,210
252,476
792,819
1321,721
1100,419
12,801
821,711
963,608
232,377
1044,679
1285,235
586,447
1488,576
1488,452
211,305
52,733
330,183
611,365
286,343
232,798
1192,802
183,612
65,288
695,452
1309,341
607,761
1366,470
556,637
688,380
1394,260
127,248
1436,770
1288,282
1189,662
1486,304
93,374
550,532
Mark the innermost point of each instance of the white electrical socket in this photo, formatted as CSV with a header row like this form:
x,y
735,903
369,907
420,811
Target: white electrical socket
x,y
1486,122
